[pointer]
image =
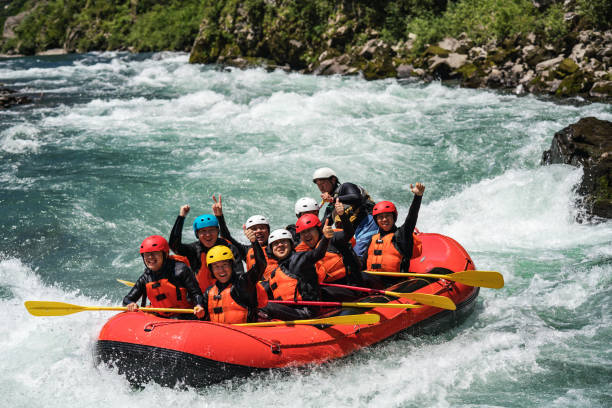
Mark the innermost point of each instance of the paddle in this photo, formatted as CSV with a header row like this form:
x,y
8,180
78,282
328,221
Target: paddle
x,y
485,279
126,283
431,300
347,320
344,304
43,308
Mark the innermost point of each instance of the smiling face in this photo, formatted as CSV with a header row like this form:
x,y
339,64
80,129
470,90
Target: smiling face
x,y
153,260
385,221
281,248
208,236
262,232
222,270
310,237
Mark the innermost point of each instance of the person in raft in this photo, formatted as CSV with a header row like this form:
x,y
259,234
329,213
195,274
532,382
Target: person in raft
x,y
234,298
206,230
259,224
295,276
357,204
166,281
340,263
391,249
304,205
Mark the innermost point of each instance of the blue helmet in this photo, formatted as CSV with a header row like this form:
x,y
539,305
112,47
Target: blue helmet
x,y
203,221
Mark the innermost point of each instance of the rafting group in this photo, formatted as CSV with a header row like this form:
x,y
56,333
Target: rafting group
x,y
315,259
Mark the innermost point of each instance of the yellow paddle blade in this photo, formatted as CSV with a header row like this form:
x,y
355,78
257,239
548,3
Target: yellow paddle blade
x,y
126,283
424,298
347,320
388,305
43,308
485,279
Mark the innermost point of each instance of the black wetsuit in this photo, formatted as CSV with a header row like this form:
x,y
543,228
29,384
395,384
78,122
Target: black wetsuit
x,y
341,243
301,264
350,194
177,274
244,290
402,238
194,250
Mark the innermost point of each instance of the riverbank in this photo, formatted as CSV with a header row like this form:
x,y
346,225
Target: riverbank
x,y
544,47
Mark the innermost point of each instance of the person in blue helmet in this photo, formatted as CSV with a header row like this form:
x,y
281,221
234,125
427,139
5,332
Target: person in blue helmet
x,y
206,230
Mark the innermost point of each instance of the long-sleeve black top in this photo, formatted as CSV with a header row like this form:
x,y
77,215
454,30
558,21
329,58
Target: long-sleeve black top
x,y
348,193
301,265
243,287
403,235
224,232
194,250
177,274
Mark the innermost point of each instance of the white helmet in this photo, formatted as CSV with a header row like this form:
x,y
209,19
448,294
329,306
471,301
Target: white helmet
x,y
323,173
306,204
256,220
279,234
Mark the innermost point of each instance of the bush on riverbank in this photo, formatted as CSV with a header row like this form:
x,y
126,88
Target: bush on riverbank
x,y
81,25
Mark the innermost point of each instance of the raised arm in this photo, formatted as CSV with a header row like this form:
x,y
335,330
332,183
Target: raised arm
x,y
176,235
407,229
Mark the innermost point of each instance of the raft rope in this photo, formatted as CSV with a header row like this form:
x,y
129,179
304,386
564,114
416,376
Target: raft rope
x,y
274,346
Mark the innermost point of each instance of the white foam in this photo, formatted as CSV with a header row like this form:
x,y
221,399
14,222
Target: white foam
x,y
20,139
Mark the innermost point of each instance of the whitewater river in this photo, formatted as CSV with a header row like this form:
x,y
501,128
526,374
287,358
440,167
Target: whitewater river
x,y
114,144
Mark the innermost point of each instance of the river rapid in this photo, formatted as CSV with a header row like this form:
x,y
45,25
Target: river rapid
x,y
115,143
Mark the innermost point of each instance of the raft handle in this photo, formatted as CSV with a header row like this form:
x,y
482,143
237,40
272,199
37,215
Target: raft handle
x,y
275,348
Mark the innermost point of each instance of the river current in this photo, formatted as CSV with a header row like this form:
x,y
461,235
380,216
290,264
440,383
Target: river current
x,y
115,143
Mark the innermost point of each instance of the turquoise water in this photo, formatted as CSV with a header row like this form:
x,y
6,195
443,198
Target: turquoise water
x,y
114,144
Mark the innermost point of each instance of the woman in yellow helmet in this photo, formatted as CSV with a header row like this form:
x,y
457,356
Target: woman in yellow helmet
x,y
234,298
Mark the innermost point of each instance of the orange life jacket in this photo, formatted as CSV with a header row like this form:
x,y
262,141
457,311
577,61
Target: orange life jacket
x,y
222,308
181,258
384,256
271,263
330,268
204,276
283,284
162,293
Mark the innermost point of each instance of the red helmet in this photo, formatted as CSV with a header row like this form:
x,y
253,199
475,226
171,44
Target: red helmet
x,y
307,221
384,207
154,243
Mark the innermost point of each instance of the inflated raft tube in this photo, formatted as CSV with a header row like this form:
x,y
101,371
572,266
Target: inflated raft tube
x,y
146,347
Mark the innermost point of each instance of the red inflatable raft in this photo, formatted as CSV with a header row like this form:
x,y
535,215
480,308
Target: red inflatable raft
x,y
147,347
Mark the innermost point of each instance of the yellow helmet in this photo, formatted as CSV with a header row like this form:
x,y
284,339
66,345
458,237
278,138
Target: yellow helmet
x,y
219,253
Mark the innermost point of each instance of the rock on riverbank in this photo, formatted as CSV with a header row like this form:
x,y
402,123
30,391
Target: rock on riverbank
x,y
587,143
578,65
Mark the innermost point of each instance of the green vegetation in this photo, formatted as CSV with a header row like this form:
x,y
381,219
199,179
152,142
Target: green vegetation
x,y
86,25
264,28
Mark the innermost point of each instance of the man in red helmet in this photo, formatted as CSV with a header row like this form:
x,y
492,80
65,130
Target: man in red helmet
x,y
340,263
392,248
166,282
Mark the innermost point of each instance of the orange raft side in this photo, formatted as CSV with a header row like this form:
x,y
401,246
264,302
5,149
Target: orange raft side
x,y
235,349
